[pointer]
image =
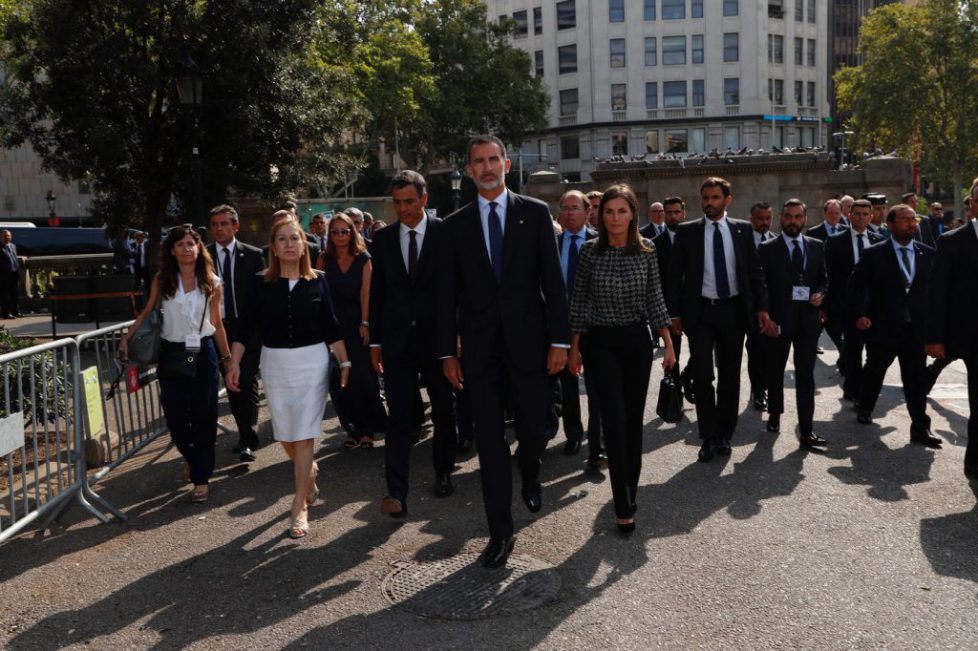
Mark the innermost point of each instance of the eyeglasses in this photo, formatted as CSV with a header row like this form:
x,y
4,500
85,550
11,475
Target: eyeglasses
x,y
341,231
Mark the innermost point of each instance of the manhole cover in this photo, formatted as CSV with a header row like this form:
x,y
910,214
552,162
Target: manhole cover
x,y
460,588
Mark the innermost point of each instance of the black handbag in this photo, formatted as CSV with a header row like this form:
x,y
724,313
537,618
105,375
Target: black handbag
x,y
180,363
670,404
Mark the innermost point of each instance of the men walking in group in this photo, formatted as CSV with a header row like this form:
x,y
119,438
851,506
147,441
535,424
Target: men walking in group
x,y
715,293
656,225
403,303
9,276
795,278
760,220
888,293
674,209
503,301
238,264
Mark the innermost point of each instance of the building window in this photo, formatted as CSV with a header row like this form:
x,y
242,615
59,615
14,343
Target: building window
x,y
800,93
779,136
775,48
775,91
799,10
799,51
674,94
538,20
699,92
810,52
811,11
619,97
538,63
731,137
522,26
616,11
652,141
775,8
673,50
619,143
696,8
567,58
676,141
617,53
673,9
649,10
811,94
570,147
566,15
568,101
650,55
731,91
651,95
731,47
731,7
697,140
696,48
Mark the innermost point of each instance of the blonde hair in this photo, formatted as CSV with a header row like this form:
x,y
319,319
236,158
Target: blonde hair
x,y
280,220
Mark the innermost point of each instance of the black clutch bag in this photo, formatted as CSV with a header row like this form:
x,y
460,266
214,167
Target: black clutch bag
x,y
670,404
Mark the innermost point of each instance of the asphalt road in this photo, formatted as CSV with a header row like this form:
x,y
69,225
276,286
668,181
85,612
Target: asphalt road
x,y
870,545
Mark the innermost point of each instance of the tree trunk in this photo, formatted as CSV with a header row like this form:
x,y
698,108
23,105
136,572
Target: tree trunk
x,y
958,200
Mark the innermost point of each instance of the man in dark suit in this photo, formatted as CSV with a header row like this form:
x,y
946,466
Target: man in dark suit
x,y
238,265
831,223
573,220
674,209
953,311
140,251
888,293
842,252
503,301
760,221
9,276
935,221
403,297
657,224
715,292
794,274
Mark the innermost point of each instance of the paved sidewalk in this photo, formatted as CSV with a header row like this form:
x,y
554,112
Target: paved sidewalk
x,y
870,545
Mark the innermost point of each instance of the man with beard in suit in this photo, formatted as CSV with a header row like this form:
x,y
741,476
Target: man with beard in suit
x,y
502,300
674,209
760,220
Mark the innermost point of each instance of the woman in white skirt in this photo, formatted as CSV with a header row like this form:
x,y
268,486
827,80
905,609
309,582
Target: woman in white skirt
x,y
294,317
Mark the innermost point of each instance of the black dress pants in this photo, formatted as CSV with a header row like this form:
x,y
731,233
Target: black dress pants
x,y
971,451
720,329
619,359
805,345
571,411
913,375
244,403
757,348
852,352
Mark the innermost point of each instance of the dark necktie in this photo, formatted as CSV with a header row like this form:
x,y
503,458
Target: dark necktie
x,y
859,246
495,242
413,256
228,285
905,254
572,256
720,264
797,259
831,230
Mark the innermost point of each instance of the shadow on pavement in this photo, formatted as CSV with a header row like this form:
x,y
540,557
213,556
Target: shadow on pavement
x,y
949,543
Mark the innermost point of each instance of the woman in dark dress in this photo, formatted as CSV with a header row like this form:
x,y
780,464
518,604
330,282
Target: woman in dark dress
x,y
347,266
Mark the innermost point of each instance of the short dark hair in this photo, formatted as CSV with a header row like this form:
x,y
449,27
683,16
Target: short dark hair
x,y
907,195
862,203
485,139
716,182
224,208
892,212
825,206
790,203
762,205
406,178
668,201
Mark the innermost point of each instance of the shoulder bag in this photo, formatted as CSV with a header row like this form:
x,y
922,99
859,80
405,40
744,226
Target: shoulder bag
x,y
180,363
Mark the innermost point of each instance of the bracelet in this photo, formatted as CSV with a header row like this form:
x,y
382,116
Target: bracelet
x,y
346,364
365,323
225,358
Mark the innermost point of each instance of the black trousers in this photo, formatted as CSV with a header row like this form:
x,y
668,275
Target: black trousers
x,y
720,330
834,330
619,359
401,386
971,451
463,416
9,291
852,352
488,394
913,375
757,348
190,408
805,345
244,403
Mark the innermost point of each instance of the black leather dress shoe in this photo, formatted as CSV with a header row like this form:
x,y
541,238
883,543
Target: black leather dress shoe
x,y
925,437
394,507
722,448
686,379
774,423
443,485
597,462
626,528
533,497
497,551
706,452
759,402
864,417
819,351
812,441
247,455
572,447
971,471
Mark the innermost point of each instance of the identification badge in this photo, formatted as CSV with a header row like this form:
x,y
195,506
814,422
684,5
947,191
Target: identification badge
x,y
800,293
192,342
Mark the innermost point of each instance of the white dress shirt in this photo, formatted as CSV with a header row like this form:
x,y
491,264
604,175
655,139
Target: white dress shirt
x,y
405,233
761,237
911,257
729,254
502,202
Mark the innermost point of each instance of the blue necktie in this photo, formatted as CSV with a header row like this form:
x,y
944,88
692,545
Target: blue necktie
x,y
720,264
228,279
797,260
905,254
495,242
572,256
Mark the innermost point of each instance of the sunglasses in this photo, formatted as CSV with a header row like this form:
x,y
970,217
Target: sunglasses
x,y
342,231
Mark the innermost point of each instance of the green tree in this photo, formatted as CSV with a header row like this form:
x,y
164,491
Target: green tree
x,y
917,88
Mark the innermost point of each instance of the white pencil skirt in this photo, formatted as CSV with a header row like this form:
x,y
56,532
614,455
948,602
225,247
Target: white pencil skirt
x,y
295,383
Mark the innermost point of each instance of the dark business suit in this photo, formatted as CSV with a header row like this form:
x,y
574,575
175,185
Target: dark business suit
x,y
505,328
953,311
821,232
248,263
799,321
663,251
715,325
839,261
757,348
878,289
402,323
650,231
9,279
924,234
833,328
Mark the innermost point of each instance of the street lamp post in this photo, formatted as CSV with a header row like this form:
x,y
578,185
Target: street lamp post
x,y
840,138
456,180
190,93
52,215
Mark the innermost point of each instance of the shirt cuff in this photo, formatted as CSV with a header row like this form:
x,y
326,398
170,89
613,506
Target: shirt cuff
x,y
560,346
375,345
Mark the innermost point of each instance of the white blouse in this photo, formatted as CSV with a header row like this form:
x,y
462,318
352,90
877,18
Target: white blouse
x,y
182,314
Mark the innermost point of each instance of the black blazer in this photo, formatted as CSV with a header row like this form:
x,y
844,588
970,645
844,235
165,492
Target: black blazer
x,y
647,232
523,314
924,233
6,264
663,250
877,291
821,232
248,263
396,304
684,284
839,261
775,260
954,293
